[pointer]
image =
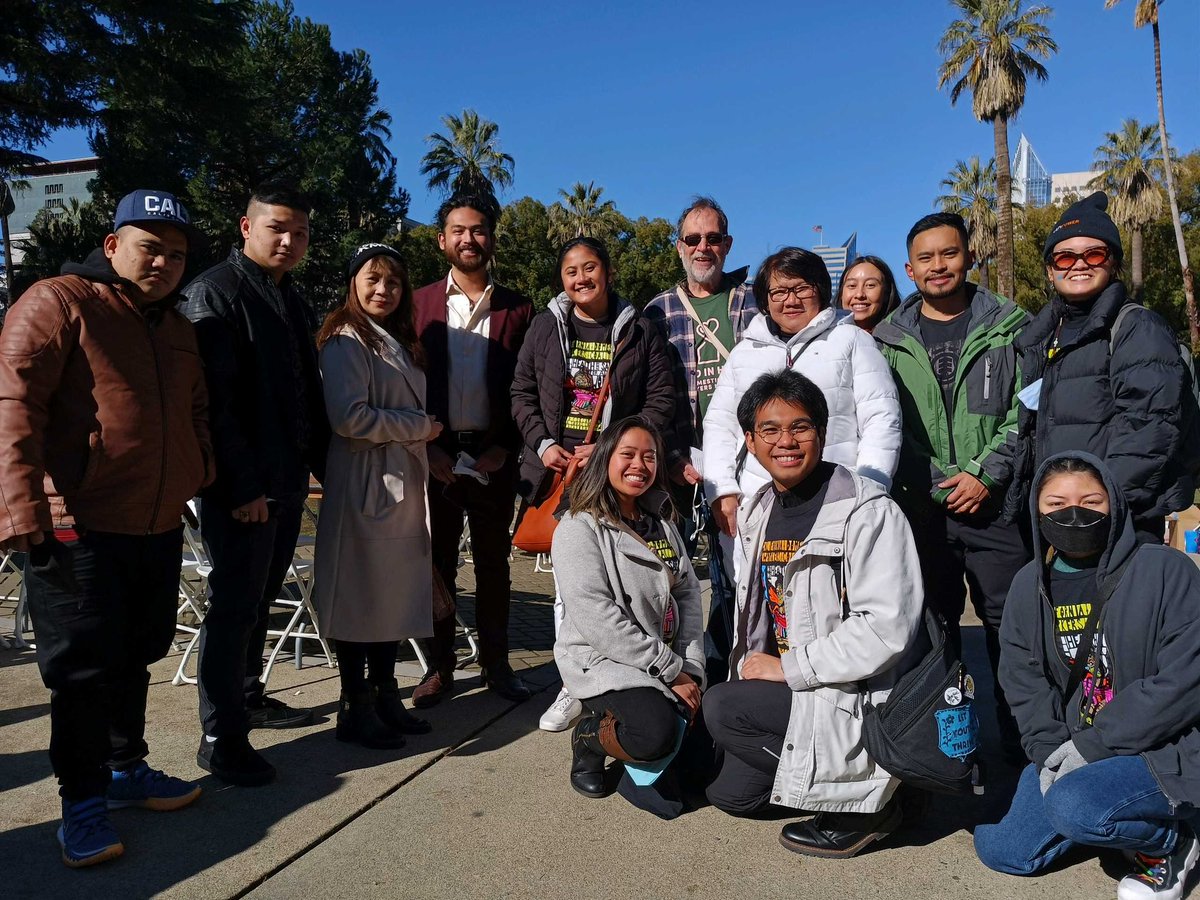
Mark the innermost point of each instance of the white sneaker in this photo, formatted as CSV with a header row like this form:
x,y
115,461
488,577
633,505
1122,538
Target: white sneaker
x,y
562,712
1161,878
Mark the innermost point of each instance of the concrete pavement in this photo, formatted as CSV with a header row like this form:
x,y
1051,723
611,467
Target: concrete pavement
x,y
481,807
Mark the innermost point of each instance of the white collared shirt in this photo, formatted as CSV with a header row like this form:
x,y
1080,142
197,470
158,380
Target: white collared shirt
x,y
467,334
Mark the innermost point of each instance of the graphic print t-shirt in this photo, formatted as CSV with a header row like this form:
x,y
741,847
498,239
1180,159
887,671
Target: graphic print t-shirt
x,y
587,364
714,313
943,341
651,530
1072,591
792,518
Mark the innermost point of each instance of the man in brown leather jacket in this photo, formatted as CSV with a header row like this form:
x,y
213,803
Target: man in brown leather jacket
x,y
103,440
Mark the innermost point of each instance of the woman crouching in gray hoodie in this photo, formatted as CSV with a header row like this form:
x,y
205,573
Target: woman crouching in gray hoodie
x,y
631,644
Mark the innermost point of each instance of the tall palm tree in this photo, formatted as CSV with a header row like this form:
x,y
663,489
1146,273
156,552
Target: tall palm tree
x,y
468,159
1127,167
581,214
991,51
971,193
1145,12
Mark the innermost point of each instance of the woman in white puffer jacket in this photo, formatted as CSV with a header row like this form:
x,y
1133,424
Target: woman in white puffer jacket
x,y
801,331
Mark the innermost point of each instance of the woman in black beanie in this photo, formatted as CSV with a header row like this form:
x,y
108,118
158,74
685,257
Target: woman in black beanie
x,y
1102,373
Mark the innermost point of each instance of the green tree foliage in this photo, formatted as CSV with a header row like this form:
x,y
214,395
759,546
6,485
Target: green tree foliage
x,y
468,158
1034,225
645,259
55,238
525,258
991,51
581,213
422,257
971,192
1128,167
209,113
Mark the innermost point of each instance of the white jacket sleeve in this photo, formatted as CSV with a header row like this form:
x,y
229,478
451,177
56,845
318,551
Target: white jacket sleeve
x,y
723,436
877,408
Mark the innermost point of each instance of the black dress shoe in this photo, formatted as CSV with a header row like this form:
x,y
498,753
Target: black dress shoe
x,y
234,761
840,835
505,682
267,712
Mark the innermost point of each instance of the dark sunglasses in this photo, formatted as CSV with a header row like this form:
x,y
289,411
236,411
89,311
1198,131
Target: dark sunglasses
x,y
1092,257
713,238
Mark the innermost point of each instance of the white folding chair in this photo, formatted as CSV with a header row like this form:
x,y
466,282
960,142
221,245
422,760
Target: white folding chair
x,y
9,569
193,593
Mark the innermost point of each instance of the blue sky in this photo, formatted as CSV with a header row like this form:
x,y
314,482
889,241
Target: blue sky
x,y
792,114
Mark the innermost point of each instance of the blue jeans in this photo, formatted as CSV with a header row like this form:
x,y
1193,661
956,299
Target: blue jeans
x,y
1114,803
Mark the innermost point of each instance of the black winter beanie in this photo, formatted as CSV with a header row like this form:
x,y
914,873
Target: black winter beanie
x,y
1085,218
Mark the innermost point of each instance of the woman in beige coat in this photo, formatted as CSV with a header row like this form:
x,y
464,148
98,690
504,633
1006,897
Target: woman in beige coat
x,y
373,563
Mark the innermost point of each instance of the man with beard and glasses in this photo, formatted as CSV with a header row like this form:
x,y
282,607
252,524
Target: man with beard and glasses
x,y
951,349
471,329
700,319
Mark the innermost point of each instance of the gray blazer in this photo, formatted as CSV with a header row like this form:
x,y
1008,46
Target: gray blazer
x,y
616,593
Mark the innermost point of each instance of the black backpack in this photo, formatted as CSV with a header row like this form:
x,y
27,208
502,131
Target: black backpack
x,y
927,732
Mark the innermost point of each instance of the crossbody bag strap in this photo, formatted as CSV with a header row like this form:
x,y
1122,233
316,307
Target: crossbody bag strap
x,y
1088,637
703,330
597,410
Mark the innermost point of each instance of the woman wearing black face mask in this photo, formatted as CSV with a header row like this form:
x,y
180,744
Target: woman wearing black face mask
x,y
1100,662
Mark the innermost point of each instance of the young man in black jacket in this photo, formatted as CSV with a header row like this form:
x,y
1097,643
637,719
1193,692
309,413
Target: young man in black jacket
x,y
269,431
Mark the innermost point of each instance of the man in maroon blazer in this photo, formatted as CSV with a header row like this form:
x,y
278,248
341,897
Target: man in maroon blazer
x,y
471,329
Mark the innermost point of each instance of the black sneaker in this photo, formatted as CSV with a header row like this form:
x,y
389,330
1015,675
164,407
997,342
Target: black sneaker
x,y
267,712
1161,877
234,761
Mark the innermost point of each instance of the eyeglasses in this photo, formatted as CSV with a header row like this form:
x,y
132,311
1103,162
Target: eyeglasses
x,y
713,238
1092,257
801,292
801,430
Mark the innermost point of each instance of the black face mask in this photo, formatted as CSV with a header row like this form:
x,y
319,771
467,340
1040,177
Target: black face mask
x,y
1076,530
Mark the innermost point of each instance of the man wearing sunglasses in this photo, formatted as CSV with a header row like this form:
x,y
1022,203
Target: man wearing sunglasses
x,y
700,319
1105,375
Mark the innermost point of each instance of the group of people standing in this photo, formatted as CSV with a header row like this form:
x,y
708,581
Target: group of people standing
x,y
852,458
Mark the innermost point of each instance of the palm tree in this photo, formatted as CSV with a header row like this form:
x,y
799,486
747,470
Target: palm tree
x,y
1145,12
581,214
992,50
1127,167
972,194
469,159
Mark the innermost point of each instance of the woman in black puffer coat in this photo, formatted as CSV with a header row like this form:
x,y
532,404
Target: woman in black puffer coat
x,y
1118,390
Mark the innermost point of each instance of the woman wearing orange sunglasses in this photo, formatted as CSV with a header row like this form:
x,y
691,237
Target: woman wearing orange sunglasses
x,y
1102,373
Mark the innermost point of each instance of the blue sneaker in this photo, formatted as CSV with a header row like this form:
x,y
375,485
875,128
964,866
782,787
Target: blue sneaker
x,y
86,836
150,789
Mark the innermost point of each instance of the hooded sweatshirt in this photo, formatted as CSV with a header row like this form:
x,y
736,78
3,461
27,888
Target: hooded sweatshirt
x,y
1150,633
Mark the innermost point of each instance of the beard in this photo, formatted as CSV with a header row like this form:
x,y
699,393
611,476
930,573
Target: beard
x,y
707,274
469,265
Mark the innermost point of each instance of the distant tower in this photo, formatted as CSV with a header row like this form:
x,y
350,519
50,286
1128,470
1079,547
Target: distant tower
x,y
836,260
1031,183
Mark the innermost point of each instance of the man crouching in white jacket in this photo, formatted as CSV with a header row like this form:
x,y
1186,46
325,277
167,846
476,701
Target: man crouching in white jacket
x,y
819,628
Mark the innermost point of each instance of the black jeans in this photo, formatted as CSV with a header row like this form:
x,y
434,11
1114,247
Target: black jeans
x,y
250,561
981,553
94,644
747,721
489,511
647,722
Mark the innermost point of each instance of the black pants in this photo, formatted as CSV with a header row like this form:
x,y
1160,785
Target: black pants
x,y
647,722
94,644
359,662
747,721
979,552
250,561
489,511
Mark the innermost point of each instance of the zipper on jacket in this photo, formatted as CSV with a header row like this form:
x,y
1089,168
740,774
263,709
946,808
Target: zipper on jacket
x,y
162,409
987,378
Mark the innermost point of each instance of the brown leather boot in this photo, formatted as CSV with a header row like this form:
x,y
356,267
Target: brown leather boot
x,y
434,688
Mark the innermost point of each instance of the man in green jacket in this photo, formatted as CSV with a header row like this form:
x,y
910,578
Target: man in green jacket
x,y
950,346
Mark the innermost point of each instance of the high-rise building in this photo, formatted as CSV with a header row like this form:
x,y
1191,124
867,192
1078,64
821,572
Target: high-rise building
x,y
1068,187
52,186
836,260
1031,183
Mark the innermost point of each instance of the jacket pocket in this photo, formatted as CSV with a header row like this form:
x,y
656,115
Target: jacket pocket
x,y
384,489
839,755
990,383
95,451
